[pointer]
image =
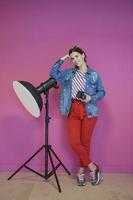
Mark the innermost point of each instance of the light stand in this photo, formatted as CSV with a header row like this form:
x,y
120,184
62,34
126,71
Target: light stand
x,y
48,149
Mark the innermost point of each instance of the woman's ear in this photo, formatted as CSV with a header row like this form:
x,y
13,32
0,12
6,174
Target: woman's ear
x,y
83,55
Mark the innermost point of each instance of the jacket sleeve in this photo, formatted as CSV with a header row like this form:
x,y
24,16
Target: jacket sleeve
x,y
100,92
55,72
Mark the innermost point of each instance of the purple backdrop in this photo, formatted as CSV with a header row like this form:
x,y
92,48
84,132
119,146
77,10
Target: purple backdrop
x,y
33,34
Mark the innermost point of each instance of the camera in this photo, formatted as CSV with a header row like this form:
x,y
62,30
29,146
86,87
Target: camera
x,y
81,95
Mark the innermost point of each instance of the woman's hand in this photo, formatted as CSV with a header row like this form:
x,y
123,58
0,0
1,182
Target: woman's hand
x,y
65,57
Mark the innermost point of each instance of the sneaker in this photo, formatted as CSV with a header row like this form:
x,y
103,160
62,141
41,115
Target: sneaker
x,y
95,176
81,180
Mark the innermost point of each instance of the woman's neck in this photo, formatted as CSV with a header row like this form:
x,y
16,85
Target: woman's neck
x,y
83,68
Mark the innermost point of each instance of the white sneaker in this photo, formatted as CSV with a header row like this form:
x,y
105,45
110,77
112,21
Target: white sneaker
x,y
81,180
95,176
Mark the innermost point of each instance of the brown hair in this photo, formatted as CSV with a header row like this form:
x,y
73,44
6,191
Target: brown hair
x,y
79,50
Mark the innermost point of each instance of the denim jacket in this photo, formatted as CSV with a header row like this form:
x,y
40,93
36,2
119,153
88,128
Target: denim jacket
x,y
93,87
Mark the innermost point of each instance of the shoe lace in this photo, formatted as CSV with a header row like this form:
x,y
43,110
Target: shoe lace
x,y
92,175
81,177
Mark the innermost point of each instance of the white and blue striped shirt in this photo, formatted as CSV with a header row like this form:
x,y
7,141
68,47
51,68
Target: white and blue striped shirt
x,y
78,83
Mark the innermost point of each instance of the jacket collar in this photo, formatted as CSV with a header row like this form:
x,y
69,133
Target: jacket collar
x,y
89,70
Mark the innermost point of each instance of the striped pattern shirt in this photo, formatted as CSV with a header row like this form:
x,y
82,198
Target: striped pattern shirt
x,y
78,83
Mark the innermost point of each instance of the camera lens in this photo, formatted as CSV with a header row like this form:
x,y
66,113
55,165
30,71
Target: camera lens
x,y
81,95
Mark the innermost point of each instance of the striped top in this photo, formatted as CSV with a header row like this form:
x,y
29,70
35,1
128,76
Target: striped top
x,y
78,83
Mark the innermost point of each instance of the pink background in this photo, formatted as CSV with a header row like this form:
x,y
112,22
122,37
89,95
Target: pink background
x,y
33,35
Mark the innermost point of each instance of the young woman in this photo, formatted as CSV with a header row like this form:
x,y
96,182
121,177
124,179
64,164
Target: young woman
x,y
81,89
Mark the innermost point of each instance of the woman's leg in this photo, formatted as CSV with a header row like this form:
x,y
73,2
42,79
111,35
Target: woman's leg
x,y
74,137
88,125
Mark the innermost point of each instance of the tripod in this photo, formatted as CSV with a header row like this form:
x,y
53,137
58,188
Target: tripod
x,y
48,153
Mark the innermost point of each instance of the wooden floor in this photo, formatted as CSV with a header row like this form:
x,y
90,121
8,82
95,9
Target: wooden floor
x,y
29,186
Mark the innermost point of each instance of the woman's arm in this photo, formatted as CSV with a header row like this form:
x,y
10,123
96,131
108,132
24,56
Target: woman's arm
x,y
55,72
100,92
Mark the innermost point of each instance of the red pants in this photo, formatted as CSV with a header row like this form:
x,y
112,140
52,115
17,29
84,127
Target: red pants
x,y
80,129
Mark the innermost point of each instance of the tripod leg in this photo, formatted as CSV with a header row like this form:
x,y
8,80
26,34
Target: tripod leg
x,y
16,171
60,161
26,162
54,171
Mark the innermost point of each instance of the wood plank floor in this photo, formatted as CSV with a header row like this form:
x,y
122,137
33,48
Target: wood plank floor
x,y
29,186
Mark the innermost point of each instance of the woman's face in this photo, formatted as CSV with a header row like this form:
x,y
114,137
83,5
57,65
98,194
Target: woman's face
x,y
77,59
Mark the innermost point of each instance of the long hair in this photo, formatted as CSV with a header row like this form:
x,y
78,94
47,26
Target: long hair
x,y
79,50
